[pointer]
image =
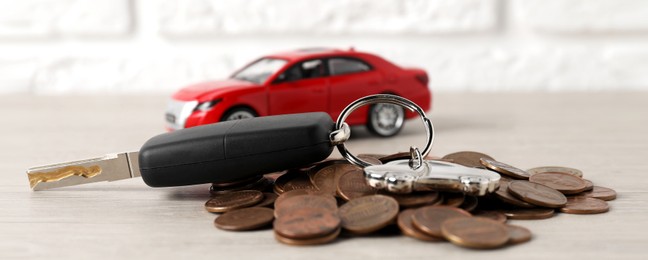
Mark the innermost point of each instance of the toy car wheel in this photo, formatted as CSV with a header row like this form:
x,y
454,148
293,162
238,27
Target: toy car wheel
x,y
385,119
238,113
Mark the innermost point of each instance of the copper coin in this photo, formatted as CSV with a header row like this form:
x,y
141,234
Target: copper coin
x,y
287,206
538,213
294,193
352,185
568,170
505,169
491,214
245,219
326,175
467,158
368,214
583,205
563,182
404,222
479,233
260,185
537,194
469,203
300,182
599,192
233,200
268,200
415,199
428,219
310,241
505,196
453,199
518,234
290,176
305,223
589,185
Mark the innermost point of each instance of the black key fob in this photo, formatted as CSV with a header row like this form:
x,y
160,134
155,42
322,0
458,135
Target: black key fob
x,y
235,150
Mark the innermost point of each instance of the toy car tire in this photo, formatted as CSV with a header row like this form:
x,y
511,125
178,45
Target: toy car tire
x,y
239,113
385,119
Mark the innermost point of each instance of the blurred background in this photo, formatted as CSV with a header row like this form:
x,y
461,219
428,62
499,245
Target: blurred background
x,y
66,47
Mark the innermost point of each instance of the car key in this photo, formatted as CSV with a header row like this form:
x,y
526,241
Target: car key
x,y
241,149
221,152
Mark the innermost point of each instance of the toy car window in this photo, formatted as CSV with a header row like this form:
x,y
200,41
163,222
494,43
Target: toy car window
x,y
312,69
294,73
340,66
306,70
259,71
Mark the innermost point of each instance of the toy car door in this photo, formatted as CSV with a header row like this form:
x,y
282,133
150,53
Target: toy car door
x,y
303,87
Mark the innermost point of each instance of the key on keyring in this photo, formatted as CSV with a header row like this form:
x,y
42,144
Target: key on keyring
x,y
222,152
415,174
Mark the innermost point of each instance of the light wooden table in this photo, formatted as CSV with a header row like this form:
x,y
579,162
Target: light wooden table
x,y
603,134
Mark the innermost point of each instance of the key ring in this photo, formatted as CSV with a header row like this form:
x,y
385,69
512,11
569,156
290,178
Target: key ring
x,y
343,132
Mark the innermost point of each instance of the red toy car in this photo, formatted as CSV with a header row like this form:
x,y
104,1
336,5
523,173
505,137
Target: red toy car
x,y
305,80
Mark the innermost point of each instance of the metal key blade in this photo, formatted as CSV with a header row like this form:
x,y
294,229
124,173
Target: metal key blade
x,y
397,176
110,167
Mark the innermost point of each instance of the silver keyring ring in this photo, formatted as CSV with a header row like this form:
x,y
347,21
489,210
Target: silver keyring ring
x,y
343,129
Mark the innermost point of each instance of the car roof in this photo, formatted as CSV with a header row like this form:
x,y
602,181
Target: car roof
x,y
310,52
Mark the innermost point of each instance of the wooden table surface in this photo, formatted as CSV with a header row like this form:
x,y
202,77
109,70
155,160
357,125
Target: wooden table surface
x,y
603,134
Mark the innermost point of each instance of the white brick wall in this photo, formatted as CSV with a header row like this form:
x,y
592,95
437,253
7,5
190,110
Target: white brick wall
x,y
50,18
125,46
330,17
584,16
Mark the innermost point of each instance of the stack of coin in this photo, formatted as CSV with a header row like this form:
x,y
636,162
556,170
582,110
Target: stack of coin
x,y
306,219
315,204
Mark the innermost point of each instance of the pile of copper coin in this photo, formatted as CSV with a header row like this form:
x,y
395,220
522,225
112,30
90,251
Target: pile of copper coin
x,y
318,204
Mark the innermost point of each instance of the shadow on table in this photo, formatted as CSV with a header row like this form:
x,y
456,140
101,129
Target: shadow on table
x,y
190,193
